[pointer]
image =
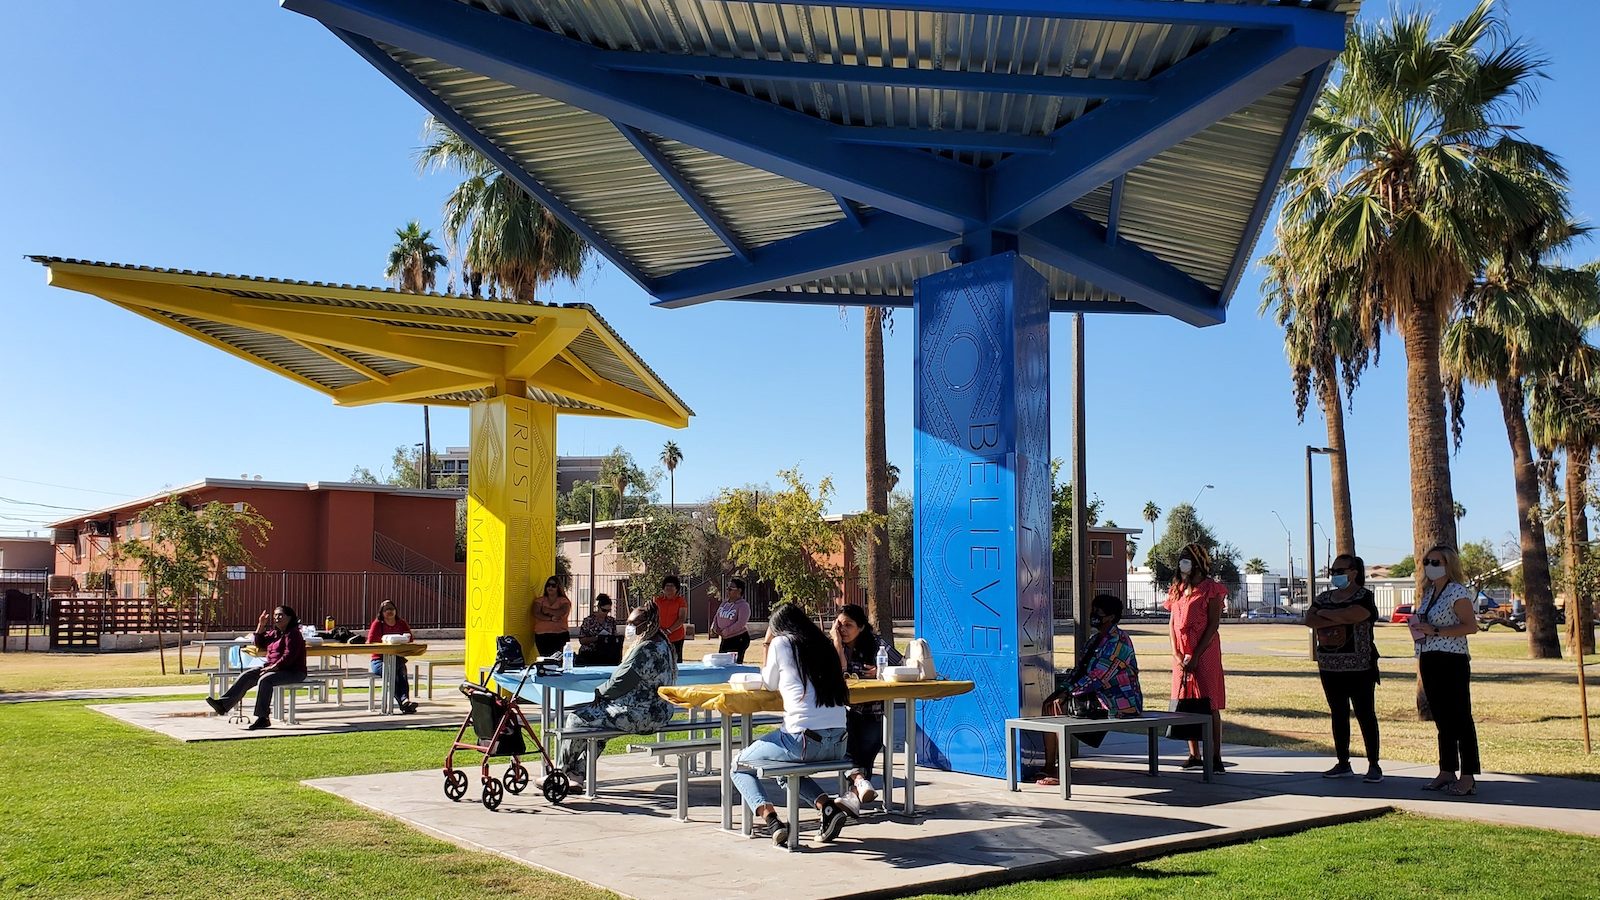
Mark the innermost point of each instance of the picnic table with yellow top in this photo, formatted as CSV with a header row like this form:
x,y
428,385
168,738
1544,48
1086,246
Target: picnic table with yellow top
x,y
328,649
732,701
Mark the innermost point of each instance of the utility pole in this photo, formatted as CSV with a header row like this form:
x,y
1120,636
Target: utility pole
x,y
1082,579
1290,537
427,451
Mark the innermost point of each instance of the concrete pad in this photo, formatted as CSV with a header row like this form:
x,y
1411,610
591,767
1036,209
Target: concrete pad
x,y
969,831
192,720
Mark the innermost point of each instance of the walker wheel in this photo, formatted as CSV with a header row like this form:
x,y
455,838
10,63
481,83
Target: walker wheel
x,y
492,794
556,787
517,778
455,784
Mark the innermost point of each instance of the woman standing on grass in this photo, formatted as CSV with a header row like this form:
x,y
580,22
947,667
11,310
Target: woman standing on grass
x,y
802,665
1347,660
1196,601
1440,627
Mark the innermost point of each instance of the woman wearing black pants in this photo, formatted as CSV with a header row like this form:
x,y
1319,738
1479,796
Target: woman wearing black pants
x,y
286,664
1440,627
1347,660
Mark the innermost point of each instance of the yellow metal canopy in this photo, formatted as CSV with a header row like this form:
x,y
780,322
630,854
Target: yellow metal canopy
x,y
363,345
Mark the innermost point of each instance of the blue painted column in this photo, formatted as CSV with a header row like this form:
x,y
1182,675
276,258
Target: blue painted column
x,y
983,504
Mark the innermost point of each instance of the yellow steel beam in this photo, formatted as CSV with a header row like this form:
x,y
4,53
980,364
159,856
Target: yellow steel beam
x,y
561,378
573,361
224,346
639,368
347,333
333,355
408,386
536,348
354,293
405,316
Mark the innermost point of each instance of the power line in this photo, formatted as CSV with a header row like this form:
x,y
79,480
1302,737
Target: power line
x,y
67,487
45,505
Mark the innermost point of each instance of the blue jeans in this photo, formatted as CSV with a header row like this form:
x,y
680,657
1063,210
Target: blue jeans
x,y
402,682
781,746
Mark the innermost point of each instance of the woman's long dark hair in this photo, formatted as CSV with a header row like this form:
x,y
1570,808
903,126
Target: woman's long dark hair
x,y
294,620
867,637
814,654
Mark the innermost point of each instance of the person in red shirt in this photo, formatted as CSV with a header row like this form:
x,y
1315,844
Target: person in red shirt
x,y
674,609
389,622
286,664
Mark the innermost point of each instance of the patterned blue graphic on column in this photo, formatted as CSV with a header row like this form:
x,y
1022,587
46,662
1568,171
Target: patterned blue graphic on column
x,y
983,503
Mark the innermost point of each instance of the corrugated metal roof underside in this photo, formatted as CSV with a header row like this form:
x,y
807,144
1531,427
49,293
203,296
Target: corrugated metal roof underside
x,y
1189,206
370,304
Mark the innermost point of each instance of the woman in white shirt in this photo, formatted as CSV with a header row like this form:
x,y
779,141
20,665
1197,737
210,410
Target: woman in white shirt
x,y
1440,627
802,665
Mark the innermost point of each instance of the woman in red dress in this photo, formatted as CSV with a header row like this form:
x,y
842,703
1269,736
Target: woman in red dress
x,y
1196,602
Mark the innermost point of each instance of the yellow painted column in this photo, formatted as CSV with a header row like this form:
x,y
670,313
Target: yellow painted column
x,y
511,521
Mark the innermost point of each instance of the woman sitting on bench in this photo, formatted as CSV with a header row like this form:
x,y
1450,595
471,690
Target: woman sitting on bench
x,y
389,622
286,664
802,664
1104,683
628,700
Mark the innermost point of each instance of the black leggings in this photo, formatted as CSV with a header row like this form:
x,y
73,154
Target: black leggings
x,y
1447,681
551,644
864,736
735,645
1352,689
248,679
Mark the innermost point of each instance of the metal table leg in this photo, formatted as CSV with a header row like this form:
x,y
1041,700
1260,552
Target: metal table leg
x,y
388,683
1064,750
911,756
888,756
746,815
1011,758
727,772
1155,752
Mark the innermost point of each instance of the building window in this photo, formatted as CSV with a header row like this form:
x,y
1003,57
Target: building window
x,y
1100,549
583,546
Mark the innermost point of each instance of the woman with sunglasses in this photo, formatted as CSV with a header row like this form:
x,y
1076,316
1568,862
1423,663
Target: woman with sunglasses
x,y
1196,600
1440,627
598,641
1347,660
550,614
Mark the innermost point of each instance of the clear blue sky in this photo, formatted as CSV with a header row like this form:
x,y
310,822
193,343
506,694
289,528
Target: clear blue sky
x,y
238,137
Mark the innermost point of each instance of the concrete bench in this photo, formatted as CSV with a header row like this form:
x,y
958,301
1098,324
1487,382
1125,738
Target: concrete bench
x,y
1066,728
791,773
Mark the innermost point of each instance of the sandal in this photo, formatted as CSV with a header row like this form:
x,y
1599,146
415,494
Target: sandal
x,y
1047,781
1456,790
1438,783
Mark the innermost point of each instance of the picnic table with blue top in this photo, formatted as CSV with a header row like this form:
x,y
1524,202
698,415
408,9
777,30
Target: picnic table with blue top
x,y
550,690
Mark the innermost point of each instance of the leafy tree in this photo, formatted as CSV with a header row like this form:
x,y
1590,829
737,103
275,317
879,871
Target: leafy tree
x,y
612,498
785,537
414,260
185,558
670,457
1481,568
509,242
1414,172
900,526
1405,568
1256,566
1184,527
363,475
1061,520
656,543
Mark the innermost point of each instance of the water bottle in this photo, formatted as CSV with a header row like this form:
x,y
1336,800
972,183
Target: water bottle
x,y
883,659
566,657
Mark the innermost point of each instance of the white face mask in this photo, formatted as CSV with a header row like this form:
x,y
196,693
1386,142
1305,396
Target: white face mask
x,y
1434,573
1185,566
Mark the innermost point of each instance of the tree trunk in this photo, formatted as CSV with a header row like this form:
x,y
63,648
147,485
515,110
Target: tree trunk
x,y
1344,528
879,607
179,612
1580,612
1538,599
1433,520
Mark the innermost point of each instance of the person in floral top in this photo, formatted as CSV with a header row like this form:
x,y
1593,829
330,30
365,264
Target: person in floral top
x,y
1108,674
598,641
628,700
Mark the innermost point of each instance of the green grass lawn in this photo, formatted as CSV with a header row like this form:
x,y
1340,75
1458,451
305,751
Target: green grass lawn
x,y
98,808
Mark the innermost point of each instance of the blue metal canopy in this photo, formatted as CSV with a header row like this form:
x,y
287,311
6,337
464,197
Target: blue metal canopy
x,y
835,152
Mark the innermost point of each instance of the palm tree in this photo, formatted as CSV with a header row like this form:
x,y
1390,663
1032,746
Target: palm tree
x,y
1152,512
1414,173
893,474
670,457
879,608
1566,416
1325,346
512,244
1524,318
414,260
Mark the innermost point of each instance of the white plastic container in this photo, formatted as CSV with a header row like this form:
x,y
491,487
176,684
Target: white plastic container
x,y
395,638
718,660
902,673
746,681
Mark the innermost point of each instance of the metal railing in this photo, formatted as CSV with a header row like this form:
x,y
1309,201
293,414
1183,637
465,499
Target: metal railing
x,y
426,600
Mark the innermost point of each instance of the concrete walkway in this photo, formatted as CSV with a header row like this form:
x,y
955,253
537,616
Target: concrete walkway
x,y
192,721
969,832
110,693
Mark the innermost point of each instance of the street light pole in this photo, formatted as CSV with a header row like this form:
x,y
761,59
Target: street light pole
x,y
1311,538
1289,536
1199,492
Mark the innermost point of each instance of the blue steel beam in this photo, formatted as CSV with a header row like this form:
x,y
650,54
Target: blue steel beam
x,y
440,110
943,193
851,213
898,301
670,174
1269,188
1153,12
942,139
1072,242
1115,138
843,246
1114,211
782,70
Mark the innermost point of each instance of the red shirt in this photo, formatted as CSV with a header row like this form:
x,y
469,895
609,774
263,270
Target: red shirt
x,y
673,609
286,651
378,629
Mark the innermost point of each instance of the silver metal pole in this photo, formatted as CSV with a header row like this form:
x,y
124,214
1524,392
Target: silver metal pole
x,y
1081,577
1311,552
